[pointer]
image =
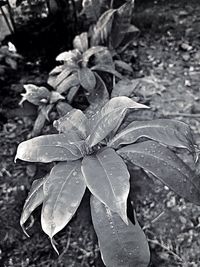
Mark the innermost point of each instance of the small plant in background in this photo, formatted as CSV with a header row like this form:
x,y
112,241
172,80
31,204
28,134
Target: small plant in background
x,y
92,153
45,100
9,59
81,67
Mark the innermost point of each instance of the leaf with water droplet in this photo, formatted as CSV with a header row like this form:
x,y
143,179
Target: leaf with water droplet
x,y
166,166
121,245
63,191
168,132
110,117
107,178
75,120
34,199
49,148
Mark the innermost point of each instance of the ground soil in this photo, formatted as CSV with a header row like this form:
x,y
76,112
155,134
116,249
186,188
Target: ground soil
x,y
168,49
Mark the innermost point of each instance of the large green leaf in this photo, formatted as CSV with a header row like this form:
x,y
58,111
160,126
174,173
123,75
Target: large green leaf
x,y
69,82
101,31
110,117
166,166
121,23
168,132
121,245
34,199
75,120
68,55
63,191
80,42
61,77
87,78
107,178
49,148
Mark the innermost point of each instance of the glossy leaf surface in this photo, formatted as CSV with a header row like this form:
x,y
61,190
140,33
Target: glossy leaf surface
x,y
34,199
80,42
166,166
68,83
107,178
63,191
121,245
75,120
168,132
49,148
110,117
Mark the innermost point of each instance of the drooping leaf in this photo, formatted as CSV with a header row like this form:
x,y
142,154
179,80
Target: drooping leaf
x,y
166,166
101,31
129,36
97,97
121,22
87,78
92,51
121,245
75,120
166,131
38,124
68,83
104,58
49,148
34,199
63,191
35,94
107,178
80,42
110,118
108,69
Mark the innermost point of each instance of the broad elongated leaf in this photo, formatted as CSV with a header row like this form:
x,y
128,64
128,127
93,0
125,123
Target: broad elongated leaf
x,y
87,78
75,120
92,51
97,97
62,76
168,132
166,166
110,117
72,93
68,83
80,42
49,148
63,191
34,199
63,108
123,65
121,23
124,87
107,178
107,68
101,31
121,245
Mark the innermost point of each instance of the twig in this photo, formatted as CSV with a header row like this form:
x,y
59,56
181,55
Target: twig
x,y
155,242
111,3
6,20
153,221
67,246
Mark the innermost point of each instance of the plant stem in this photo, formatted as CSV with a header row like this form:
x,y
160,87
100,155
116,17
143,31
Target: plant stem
x,y
11,16
6,20
111,3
